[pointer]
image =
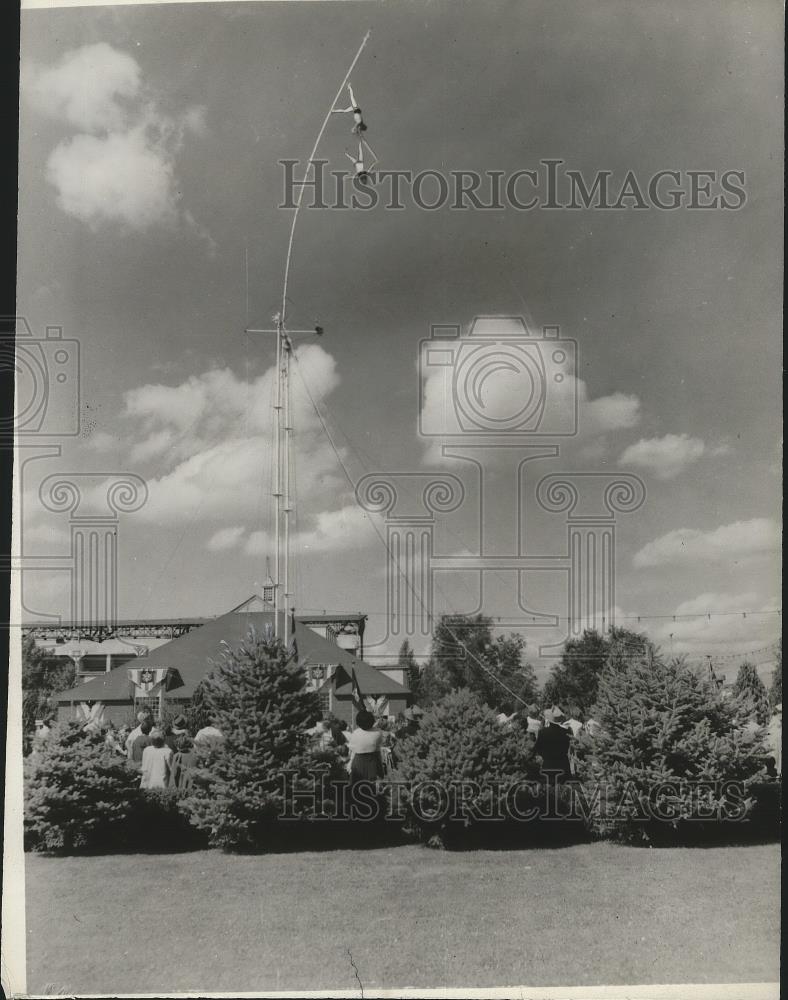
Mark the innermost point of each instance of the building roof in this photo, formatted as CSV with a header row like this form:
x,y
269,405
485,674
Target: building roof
x,y
191,656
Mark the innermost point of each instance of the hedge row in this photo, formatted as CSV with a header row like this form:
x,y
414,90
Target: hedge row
x,y
673,763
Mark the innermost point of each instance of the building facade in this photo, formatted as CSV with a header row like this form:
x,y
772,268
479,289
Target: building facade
x,y
165,678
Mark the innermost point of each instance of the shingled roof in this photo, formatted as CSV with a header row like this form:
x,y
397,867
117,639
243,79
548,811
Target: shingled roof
x,y
191,656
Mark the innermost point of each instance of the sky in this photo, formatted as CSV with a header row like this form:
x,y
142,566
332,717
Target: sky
x,y
151,232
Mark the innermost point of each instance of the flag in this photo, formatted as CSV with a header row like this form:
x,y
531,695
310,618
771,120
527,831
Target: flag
x,y
358,697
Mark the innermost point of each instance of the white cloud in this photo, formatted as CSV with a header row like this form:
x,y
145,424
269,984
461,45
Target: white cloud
x,y
101,441
704,604
742,539
726,635
120,166
196,120
225,538
346,528
120,177
152,446
210,442
90,88
665,457
618,411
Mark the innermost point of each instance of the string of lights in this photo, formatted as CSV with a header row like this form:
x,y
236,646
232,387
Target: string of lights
x,y
616,618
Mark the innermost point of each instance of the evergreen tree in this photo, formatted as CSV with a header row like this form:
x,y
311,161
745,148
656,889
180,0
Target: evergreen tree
x,y
750,693
41,679
256,695
197,713
79,794
776,687
407,660
663,723
459,741
465,655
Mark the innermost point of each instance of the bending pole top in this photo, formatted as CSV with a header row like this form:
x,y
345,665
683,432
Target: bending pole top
x,y
308,165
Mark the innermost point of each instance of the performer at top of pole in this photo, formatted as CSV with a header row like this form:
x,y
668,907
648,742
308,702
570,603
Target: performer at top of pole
x,y
310,163
359,124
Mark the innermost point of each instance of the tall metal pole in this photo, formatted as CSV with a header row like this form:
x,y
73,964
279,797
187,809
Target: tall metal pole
x,y
282,446
287,508
278,475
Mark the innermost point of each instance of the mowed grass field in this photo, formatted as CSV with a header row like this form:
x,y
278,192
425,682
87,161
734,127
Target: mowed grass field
x,y
407,916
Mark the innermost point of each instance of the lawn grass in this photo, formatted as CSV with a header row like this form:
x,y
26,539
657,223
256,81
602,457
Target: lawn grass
x,y
587,914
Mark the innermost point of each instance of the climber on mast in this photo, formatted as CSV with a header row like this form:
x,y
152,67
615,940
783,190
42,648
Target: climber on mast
x,y
361,169
359,124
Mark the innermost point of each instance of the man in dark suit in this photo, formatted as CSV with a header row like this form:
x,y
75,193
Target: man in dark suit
x,y
552,744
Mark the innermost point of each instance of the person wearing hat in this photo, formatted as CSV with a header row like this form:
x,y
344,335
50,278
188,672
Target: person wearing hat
x,y
552,744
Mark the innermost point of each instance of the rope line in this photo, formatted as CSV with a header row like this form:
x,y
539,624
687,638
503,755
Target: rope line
x,y
428,614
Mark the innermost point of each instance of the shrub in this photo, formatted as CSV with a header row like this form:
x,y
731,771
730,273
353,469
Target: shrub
x,y
776,686
257,697
751,695
157,824
79,794
457,768
42,678
668,751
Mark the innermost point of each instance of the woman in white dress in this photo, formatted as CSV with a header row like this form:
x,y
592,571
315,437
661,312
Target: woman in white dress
x,y
365,743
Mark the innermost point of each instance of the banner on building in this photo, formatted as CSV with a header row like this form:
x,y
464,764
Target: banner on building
x,y
92,714
147,682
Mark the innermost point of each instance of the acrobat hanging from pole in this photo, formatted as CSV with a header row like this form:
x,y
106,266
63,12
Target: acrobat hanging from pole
x,y
361,168
359,126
